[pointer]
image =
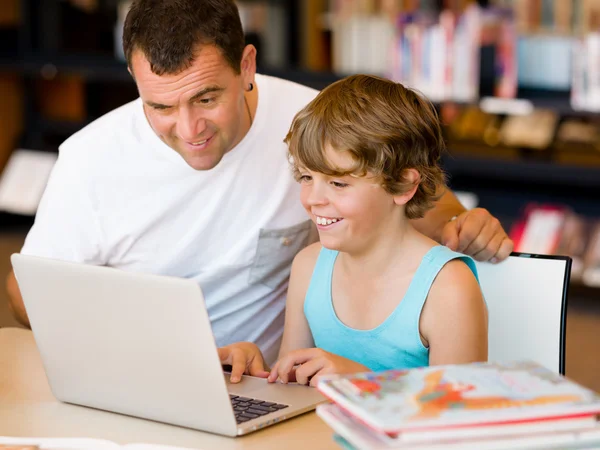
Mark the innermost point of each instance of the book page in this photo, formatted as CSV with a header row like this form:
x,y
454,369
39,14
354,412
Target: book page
x,y
34,443
31,443
152,447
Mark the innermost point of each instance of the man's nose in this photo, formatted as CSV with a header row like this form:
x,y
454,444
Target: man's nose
x,y
190,125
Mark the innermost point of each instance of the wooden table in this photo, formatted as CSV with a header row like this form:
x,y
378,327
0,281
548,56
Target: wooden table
x,y
28,409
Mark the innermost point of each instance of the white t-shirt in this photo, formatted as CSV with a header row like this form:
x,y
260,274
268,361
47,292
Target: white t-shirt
x,y
118,196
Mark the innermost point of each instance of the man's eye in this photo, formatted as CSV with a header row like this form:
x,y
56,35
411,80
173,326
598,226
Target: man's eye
x,y
206,101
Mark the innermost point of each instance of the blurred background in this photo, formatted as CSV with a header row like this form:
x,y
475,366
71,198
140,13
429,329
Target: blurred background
x,y
516,83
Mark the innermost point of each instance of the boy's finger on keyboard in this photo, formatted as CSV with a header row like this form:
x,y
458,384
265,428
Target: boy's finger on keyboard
x,y
292,375
238,365
306,371
274,373
257,368
286,369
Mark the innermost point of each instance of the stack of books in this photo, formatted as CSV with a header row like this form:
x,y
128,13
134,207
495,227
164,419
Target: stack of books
x,y
473,406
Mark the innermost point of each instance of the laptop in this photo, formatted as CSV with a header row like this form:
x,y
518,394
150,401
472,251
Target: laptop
x,y
142,345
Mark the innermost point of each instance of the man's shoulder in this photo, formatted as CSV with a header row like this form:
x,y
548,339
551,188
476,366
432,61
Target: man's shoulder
x,y
103,131
294,94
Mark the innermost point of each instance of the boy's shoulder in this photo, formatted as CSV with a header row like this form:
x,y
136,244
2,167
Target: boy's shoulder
x,y
456,270
455,284
303,267
307,257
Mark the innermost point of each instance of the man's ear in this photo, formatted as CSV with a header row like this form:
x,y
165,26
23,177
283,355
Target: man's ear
x,y
248,65
412,178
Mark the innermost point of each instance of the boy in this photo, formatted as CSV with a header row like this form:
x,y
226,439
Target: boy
x,y
374,293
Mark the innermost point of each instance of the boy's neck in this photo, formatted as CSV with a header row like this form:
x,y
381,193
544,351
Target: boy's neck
x,y
385,253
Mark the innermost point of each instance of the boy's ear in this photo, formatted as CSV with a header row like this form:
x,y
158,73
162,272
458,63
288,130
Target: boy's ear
x,y
412,178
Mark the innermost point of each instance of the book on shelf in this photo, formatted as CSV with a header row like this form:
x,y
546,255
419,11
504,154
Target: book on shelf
x,y
555,229
23,180
442,398
591,260
585,92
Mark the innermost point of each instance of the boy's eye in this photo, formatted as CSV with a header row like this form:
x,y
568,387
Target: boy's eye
x,y
339,184
304,178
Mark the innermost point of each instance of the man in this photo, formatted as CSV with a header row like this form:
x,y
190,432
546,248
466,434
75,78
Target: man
x,y
192,178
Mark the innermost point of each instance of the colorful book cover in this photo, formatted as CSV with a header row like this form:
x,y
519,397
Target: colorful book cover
x,y
353,435
438,397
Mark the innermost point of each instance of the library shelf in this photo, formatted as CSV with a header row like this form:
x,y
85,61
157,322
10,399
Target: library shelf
x,y
521,170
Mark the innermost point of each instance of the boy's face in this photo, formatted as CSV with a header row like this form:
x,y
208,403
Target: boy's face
x,y
351,212
200,112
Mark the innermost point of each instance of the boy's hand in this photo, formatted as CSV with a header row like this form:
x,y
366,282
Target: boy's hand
x,y
478,234
312,362
244,358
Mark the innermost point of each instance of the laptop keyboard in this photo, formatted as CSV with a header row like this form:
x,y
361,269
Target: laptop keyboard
x,y
246,408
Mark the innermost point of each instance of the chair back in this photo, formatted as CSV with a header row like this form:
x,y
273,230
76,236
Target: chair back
x,y
526,297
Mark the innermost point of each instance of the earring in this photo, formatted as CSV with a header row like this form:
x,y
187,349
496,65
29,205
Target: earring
x,y
250,87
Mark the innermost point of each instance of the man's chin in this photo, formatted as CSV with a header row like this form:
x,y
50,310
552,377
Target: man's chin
x,y
205,162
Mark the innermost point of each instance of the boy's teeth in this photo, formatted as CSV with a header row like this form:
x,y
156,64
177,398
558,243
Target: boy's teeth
x,y
324,221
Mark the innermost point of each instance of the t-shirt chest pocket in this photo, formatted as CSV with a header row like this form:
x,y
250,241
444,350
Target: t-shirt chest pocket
x,y
275,251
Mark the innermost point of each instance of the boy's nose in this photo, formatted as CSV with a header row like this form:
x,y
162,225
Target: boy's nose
x,y
316,196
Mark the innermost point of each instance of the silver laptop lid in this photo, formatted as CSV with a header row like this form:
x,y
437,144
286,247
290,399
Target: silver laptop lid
x,y
132,343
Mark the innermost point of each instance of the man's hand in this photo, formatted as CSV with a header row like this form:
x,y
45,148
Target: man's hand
x,y
478,234
244,358
307,365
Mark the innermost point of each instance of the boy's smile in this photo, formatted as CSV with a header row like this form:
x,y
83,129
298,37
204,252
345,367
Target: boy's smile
x,y
326,221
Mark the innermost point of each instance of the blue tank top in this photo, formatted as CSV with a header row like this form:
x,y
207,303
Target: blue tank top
x,y
395,343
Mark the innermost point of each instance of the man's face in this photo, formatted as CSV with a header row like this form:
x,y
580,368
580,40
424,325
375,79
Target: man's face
x,y
200,112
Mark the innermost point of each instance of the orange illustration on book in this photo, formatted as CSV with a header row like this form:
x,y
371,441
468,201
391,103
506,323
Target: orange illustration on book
x,y
367,386
437,397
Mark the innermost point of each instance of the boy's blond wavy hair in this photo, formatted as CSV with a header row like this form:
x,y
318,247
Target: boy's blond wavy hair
x,y
385,128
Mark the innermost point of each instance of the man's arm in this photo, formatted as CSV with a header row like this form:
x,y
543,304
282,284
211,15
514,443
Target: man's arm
x,y
15,300
67,225
475,233
434,221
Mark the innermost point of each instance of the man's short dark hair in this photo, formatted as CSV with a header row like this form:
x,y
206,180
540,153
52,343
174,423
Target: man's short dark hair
x,y
168,32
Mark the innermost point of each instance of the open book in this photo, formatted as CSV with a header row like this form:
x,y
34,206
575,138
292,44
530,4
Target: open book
x,y
442,397
12,443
